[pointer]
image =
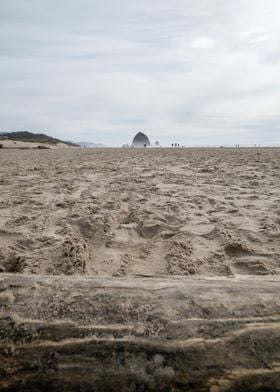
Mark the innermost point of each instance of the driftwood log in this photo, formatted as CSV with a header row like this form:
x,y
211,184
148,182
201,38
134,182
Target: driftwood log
x,y
139,334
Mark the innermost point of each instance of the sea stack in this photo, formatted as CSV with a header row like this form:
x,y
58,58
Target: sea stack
x,y
141,140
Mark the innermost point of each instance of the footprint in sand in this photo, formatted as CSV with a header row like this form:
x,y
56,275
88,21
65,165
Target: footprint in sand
x,y
250,267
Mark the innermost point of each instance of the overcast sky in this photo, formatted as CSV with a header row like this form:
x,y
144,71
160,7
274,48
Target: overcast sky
x,y
187,71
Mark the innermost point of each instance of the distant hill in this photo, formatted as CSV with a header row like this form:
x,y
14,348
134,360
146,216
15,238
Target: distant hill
x,y
89,144
34,137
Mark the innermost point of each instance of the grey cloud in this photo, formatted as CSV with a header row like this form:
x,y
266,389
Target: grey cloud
x,y
196,70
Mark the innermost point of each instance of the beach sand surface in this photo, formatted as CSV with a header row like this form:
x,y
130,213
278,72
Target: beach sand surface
x,y
140,269
130,212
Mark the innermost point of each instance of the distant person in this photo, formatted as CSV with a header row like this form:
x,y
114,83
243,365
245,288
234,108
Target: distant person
x,y
172,145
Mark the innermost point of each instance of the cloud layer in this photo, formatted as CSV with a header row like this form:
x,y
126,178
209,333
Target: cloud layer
x,y
195,72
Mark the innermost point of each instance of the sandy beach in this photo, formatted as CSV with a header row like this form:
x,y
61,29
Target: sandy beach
x,y
139,196
129,212
140,269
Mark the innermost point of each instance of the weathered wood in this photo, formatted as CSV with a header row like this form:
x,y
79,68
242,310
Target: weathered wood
x,y
139,334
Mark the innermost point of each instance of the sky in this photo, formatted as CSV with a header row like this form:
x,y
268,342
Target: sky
x,y
196,72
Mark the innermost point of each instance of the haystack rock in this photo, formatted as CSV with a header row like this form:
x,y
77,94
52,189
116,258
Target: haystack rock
x,y
141,140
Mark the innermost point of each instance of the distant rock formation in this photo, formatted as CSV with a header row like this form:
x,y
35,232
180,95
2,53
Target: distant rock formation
x,y
141,140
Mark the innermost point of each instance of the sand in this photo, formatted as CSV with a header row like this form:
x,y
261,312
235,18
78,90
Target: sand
x,y
21,144
140,270
140,212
